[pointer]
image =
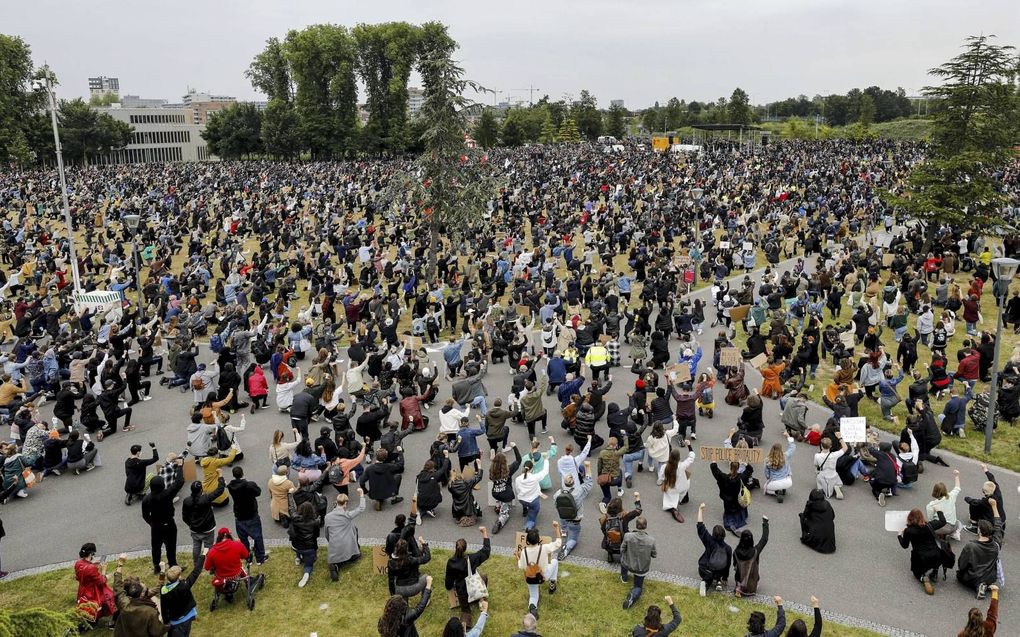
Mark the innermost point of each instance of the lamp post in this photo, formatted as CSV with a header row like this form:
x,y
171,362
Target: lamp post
x,y
47,85
1005,269
131,222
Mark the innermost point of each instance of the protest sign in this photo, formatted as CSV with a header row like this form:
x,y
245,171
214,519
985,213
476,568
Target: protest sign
x,y
730,357
679,373
759,361
730,454
379,560
853,429
896,521
740,312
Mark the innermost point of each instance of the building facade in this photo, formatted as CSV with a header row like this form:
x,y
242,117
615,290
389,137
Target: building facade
x,y
160,135
415,99
204,104
102,86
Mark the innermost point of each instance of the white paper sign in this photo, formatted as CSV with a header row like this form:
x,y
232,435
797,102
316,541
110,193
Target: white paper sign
x,y
896,521
853,430
748,246
724,245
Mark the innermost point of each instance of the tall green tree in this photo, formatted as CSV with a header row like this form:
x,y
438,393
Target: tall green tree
x,y
234,132
486,131
866,110
512,132
978,96
586,116
85,132
386,57
738,109
568,133
280,137
270,72
548,133
17,99
616,124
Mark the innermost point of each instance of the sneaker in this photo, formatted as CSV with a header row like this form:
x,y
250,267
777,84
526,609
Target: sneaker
x,y
881,499
780,495
334,572
627,603
602,507
694,436
982,591
703,588
533,610
77,472
396,500
971,528
619,492
624,578
640,468
431,513
22,494
562,555
839,492
627,479
955,535
55,472
498,527
417,518
928,587
89,467
145,398
303,581
552,586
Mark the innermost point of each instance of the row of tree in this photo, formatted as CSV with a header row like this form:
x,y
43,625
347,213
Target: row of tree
x,y
550,122
26,133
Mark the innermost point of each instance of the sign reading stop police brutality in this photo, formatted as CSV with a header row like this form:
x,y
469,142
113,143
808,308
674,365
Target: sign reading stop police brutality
x,y
730,454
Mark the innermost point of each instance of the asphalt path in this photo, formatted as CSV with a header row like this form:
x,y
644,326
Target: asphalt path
x,y
867,577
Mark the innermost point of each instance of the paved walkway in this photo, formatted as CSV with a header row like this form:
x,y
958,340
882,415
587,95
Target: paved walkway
x,y
67,511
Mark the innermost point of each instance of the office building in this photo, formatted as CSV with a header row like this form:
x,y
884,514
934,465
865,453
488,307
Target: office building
x,y
203,104
160,135
133,101
415,99
102,85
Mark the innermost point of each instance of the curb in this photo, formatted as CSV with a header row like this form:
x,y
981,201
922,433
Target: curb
x,y
679,580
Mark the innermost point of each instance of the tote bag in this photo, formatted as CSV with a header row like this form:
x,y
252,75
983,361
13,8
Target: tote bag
x,y
476,588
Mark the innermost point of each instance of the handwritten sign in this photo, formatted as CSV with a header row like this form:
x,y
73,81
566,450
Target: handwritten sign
x,y
523,310
730,454
730,357
759,361
748,246
896,521
847,339
853,429
724,245
887,260
379,560
679,373
740,312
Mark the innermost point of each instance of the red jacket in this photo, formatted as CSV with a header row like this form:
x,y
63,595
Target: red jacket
x,y
257,385
410,412
969,367
224,559
92,588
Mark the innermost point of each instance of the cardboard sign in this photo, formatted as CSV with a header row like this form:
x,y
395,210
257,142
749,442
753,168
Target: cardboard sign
x,y
682,260
730,357
853,430
730,454
759,361
379,560
740,312
413,343
896,521
189,470
520,541
887,260
523,310
679,373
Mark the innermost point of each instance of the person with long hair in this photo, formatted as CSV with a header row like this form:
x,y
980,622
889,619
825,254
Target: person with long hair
x,y
979,625
460,565
944,500
675,481
454,627
398,618
799,629
730,484
926,556
403,569
778,473
280,452
652,623
501,475
304,534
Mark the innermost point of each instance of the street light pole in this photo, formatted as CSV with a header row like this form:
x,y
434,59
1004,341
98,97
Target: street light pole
x,y
1005,269
63,186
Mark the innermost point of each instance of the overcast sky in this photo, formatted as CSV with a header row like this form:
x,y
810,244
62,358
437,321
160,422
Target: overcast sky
x,y
637,50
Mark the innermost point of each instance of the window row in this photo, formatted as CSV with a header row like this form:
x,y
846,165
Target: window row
x,y
174,118
161,137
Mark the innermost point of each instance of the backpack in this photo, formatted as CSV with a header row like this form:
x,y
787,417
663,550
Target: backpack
x,y
889,296
614,531
533,571
717,560
216,343
744,499
566,507
261,351
335,475
198,384
223,439
908,470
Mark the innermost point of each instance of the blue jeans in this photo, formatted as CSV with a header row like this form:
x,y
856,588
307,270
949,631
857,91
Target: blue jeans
x,y
630,458
573,531
971,328
638,586
531,509
899,332
307,557
251,530
481,404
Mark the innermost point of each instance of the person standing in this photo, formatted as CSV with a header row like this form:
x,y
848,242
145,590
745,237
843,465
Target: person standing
x,y
158,513
636,555
342,534
244,494
134,472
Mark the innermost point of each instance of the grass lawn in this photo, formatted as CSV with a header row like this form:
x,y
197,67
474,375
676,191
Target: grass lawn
x,y
1004,445
588,602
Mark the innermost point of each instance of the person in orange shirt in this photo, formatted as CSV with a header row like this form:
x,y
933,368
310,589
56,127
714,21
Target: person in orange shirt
x,y
771,385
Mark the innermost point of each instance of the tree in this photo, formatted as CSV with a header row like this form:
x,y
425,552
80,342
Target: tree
x,y
234,132
615,124
738,109
85,133
866,110
568,132
450,183
674,114
279,132
17,99
103,99
548,134
979,98
586,116
512,132
385,57
270,72
486,131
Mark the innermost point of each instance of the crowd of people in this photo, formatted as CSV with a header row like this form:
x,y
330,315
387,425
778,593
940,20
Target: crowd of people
x,y
310,290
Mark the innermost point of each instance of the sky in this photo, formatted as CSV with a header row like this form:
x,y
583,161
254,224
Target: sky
x,y
640,51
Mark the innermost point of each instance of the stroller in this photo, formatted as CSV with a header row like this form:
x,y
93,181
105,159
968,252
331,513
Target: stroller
x,y
227,588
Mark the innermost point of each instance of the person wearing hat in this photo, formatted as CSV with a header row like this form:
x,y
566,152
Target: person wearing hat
x,y
225,557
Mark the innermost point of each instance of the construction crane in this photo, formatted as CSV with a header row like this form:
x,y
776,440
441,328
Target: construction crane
x,y
531,93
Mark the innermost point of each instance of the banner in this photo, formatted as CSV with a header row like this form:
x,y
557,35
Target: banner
x,y
853,430
730,454
730,357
